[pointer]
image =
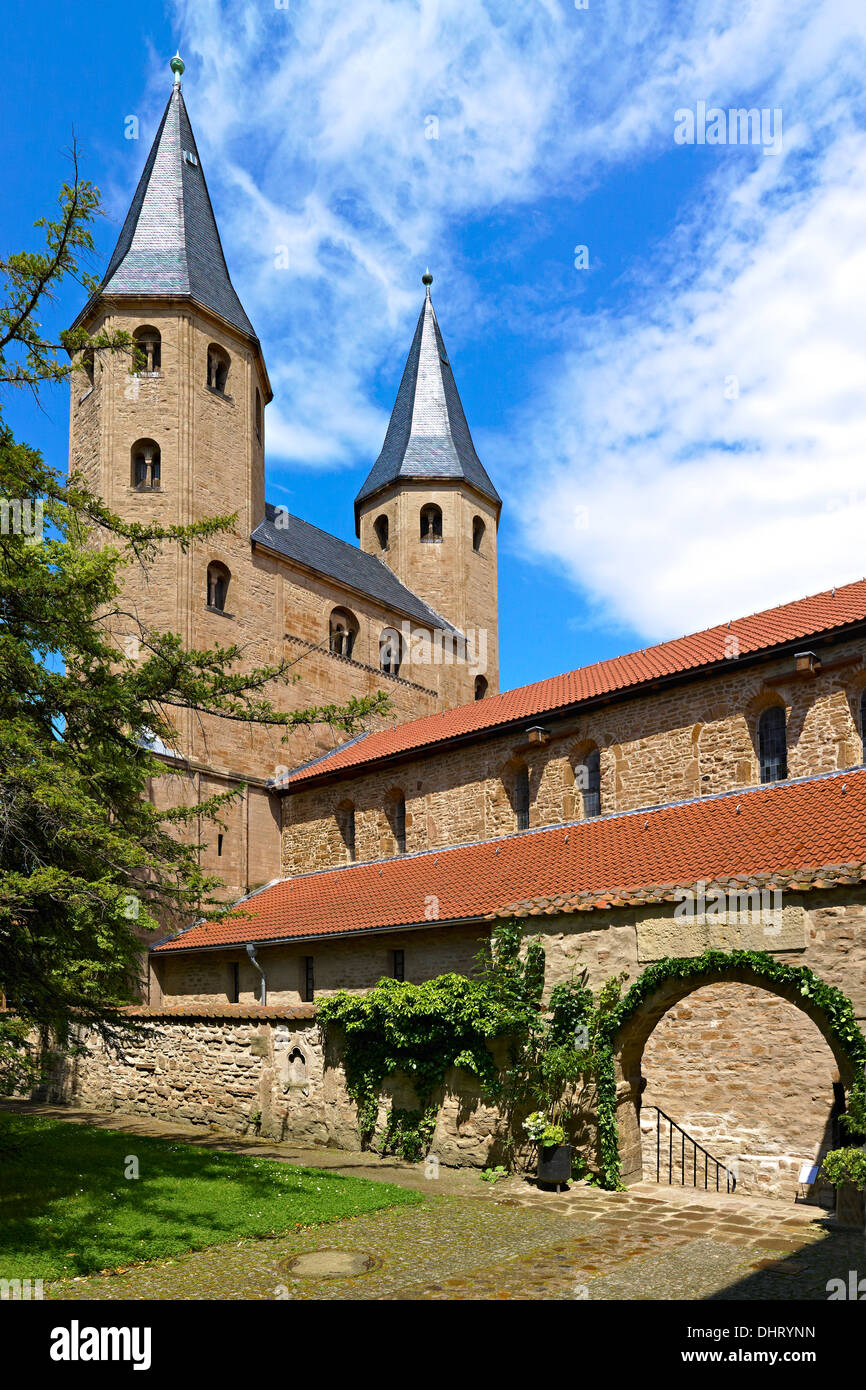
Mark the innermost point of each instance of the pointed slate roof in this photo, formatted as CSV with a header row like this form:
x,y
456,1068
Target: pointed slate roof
x,y
427,436
169,244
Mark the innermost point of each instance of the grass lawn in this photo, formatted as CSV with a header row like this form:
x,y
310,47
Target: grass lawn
x,y
66,1207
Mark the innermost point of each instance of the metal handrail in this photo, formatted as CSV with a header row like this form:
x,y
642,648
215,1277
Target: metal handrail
x,y
730,1179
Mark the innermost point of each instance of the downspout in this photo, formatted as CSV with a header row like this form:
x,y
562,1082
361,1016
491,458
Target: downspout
x,y
251,952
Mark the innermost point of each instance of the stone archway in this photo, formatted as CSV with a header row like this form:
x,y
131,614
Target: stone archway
x,y
669,982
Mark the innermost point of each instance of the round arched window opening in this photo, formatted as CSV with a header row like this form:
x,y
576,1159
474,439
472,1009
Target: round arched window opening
x,y
390,654
218,362
478,529
146,465
342,631
218,578
431,523
148,350
380,526
772,744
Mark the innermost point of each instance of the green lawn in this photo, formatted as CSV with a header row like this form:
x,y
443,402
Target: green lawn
x,y
66,1207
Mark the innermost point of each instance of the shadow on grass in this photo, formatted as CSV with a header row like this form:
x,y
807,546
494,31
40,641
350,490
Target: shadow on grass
x,y
71,1203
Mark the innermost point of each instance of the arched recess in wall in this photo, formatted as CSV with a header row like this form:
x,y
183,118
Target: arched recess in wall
x,y
772,742
431,523
626,1029
381,528
517,791
390,651
148,349
346,826
478,529
218,366
218,580
395,812
586,766
342,632
145,465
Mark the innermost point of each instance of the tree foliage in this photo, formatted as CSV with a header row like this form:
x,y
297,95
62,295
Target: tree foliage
x,y
88,864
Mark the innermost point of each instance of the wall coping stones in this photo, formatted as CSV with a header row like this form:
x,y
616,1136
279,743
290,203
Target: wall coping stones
x,y
224,1011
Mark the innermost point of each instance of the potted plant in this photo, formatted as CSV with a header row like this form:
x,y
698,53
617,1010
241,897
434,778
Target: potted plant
x,y
846,1170
554,1155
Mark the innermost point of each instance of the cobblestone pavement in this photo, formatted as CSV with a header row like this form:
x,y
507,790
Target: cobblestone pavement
x,y
475,1240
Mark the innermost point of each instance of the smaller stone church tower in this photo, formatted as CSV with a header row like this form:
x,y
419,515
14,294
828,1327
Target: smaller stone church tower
x,y
428,508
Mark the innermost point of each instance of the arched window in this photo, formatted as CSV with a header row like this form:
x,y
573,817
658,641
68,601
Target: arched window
x,y
88,365
148,350
146,465
395,808
431,523
380,526
218,362
346,826
480,687
772,749
520,793
590,782
390,654
863,722
342,631
478,529
218,578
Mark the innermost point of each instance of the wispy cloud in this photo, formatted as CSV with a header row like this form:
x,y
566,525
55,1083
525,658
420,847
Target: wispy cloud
x,y
314,122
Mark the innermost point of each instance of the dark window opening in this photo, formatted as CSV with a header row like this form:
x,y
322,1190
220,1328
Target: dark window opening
x,y
380,526
217,586
148,350
521,796
592,783
146,465
397,817
259,425
398,965
219,846
390,655
346,824
478,529
309,981
217,369
342,630
772,745
234,983
480,687
431,523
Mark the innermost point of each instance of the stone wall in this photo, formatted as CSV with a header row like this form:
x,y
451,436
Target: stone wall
x,y
695,739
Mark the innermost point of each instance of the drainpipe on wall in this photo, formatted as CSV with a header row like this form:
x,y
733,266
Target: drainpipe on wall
x,y
251,952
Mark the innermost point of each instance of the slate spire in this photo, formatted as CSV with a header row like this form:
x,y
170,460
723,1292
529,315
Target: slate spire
x,y
427,435
169,244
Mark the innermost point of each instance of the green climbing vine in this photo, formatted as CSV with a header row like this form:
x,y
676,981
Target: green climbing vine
x,y
836,1007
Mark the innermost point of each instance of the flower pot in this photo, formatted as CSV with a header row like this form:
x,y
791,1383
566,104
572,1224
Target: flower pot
x,y
554,1165
850,1203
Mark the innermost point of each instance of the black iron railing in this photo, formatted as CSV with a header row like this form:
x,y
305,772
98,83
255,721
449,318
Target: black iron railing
x,y
682,1158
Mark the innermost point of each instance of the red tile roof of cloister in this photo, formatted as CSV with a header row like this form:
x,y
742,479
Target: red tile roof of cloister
x,y
808,832
801,620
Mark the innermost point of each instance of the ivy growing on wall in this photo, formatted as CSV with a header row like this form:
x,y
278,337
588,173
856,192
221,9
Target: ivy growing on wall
x,y
840,1024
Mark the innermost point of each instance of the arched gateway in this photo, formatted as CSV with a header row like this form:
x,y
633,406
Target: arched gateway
x,y
661,987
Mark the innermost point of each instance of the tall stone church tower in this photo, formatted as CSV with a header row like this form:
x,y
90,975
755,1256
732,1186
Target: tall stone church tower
x,y
179,437
427,507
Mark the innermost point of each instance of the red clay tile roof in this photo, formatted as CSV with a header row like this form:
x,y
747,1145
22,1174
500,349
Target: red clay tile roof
x,y
800,620
789,832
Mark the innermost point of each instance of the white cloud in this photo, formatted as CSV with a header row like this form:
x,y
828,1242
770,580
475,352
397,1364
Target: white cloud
x,y
312,125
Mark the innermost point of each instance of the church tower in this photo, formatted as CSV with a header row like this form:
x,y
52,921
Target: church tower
x,y
179,435
428,508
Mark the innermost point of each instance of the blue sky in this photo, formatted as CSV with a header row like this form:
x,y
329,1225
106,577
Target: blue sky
x,y
678,429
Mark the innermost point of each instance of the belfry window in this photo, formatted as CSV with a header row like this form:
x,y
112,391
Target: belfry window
x,y
772,745
218,578
342,631
480,687
218,362
148,350
146,465
478,529
390,654
431,523
380,526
